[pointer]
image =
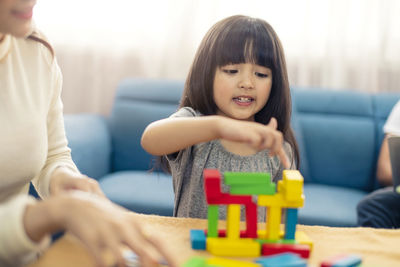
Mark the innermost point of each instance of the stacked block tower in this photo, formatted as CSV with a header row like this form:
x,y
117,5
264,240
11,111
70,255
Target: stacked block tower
x,y
253,190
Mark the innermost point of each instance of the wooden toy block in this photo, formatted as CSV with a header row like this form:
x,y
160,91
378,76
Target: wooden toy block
x,y
251,220
216,261
262,234
277,200
272,249
243,247
247,178
212,188
302,238
198,239
255,189
222,233
282,260
291,185
342,260
211,173
195,262
273,222
212,221
226,199
233,221
290,224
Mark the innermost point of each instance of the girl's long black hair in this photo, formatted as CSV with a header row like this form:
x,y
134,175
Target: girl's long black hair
x,y
234,40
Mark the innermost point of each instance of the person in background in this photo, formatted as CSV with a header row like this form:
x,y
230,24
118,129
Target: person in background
x,y
381,208
234,113
34,148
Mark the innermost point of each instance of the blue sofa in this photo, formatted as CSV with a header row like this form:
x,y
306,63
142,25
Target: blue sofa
x,y
339,135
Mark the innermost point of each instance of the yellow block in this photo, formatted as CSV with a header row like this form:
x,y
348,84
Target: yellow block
x,y
243,247
291,185
262,234
302,238
233,221
214,261
273,222
277,200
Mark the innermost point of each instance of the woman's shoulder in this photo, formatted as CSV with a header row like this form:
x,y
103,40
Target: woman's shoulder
x,y
35,46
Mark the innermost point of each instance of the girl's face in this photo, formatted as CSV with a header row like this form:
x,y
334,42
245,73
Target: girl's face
x,y
241,90
16,17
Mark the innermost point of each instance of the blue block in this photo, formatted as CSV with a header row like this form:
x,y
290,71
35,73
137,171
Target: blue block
x,y
282,260
198,239
291,222
348,261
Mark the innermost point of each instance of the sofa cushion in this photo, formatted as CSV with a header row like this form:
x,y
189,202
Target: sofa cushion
x,y
339,134
330,205
140,191
138,103
90,143
298,133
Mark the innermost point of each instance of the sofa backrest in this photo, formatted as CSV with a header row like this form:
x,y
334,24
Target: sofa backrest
x,y
341,134
139,102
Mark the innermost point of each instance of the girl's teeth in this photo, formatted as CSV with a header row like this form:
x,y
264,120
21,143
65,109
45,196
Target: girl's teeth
x,y
243,99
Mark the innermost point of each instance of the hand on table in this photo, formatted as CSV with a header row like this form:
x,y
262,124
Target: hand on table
x,y
99,224
65,180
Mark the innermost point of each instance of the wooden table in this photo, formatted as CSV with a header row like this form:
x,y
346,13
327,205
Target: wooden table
x,y
377,247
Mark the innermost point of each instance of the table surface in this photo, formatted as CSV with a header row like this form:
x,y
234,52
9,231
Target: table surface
x,y
377,247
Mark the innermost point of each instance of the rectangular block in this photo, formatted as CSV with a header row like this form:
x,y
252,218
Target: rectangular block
x,y
222,262
254,189
247,178
195,262
243,247
342,260
212,221
283,259
233,221
273,249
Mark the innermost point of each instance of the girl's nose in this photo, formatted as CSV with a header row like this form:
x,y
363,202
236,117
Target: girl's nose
x,y
246,82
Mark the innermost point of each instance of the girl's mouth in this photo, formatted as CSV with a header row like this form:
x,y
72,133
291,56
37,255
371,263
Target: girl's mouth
x,y
243,100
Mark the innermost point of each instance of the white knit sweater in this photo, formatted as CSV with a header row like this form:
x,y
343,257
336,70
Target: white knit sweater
x,y
32,138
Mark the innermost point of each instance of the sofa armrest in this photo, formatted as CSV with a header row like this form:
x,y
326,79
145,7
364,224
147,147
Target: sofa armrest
x,y
90,142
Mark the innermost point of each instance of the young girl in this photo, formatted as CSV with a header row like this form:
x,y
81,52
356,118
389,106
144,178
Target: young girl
x,y
234,113
34,148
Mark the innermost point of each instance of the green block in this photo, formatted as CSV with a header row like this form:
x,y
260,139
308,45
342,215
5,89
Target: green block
x,y
256,189
212,221
250,178
195,262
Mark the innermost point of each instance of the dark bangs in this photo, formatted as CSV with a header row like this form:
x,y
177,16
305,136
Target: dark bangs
x,y
245,41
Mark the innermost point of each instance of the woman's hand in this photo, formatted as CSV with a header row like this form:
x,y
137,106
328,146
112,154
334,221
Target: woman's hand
x,y
99,224
257,135
64,179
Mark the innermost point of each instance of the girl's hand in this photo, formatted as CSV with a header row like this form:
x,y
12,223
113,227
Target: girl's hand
x,y
65,180
99,224
257,135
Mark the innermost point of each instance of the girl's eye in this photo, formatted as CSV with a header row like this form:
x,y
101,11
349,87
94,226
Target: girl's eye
x,y
261,75
230,71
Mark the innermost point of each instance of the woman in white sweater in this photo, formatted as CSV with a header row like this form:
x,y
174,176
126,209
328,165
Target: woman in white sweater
x,y
34,148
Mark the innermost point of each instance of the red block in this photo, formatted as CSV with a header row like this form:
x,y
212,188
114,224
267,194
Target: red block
x,y
251,220
272,249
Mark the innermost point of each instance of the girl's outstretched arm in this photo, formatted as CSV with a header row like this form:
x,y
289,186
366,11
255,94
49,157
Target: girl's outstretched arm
x,y
171,135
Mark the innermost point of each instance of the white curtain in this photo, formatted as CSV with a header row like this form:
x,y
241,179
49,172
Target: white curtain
x,y
333,44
